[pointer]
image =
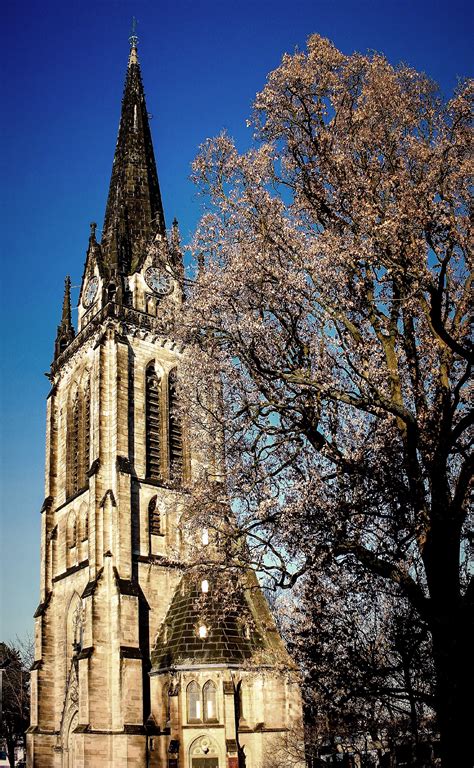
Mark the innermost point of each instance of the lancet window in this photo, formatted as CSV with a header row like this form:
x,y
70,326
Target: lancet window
x,y
175,432
209,700
202,705
194,702
78,441
74,427
163,425
153,424
87,433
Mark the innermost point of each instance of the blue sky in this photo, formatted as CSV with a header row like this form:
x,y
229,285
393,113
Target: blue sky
x,y
63,70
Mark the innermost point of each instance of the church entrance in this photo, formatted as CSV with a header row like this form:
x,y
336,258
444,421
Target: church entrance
x,y
204,753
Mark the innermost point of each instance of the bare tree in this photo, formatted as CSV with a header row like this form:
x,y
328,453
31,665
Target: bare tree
x,y
15,662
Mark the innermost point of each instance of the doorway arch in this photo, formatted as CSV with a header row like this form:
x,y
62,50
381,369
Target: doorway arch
x,y
204,753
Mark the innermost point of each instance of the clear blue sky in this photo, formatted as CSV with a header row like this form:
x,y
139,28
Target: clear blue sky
x,y
63,69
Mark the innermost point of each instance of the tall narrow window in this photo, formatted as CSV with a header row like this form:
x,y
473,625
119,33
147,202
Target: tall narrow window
x,y
209,698
154,518
73,446
153,426
86,435
194,702
175,431
78,442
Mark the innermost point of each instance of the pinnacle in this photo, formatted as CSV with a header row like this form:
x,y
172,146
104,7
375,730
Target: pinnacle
x,y
66,313
65,332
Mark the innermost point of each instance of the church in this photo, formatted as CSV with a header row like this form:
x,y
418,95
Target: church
x,y
127,672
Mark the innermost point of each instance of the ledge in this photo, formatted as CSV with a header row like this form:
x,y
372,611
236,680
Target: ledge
x,y
73,497
42,606
91,585
72,569
156,560
82,728
168,485
85,653
94,468
47,503
129,652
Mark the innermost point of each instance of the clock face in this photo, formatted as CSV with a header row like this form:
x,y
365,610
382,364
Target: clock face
x,y
159,281
91,291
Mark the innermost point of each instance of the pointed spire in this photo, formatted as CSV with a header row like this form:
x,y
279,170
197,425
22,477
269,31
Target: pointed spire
x,y
134,213
65,332
66,315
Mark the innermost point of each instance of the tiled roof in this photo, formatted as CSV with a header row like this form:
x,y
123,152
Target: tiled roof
x,y
242,633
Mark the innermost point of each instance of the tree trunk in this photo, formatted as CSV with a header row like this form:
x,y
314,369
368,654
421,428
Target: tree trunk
x,y
11,751
453,658
451,628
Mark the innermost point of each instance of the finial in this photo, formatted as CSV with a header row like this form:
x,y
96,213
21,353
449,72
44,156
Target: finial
x,y
175,238
133,39
93,227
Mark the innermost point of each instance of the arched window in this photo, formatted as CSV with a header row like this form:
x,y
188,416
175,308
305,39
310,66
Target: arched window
x,y
154,518
175,431
153,425
209,699
87,435
73,445
78,442
193,695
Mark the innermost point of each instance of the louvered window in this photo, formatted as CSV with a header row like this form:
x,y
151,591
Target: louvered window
x,y
87,436
153,426
175,432
73,447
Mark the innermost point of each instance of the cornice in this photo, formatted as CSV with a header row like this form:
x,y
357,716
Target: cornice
x,y
128,321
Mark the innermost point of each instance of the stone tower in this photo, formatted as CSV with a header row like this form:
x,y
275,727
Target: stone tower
x,y
125,673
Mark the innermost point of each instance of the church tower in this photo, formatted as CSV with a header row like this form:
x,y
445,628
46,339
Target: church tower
x,y
125,672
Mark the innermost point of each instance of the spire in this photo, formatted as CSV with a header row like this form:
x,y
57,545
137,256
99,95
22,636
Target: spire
x,y
134,213
65,332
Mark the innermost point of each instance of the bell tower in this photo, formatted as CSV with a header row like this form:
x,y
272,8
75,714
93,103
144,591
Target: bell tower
x,y
124,674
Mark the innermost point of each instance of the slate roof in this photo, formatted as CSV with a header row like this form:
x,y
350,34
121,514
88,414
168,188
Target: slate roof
x,y
134,213
243,634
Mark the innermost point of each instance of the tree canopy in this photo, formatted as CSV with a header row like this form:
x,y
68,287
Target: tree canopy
x,y
331,299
